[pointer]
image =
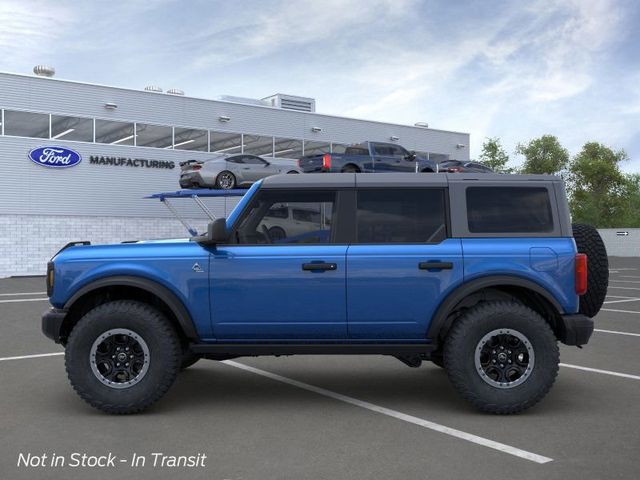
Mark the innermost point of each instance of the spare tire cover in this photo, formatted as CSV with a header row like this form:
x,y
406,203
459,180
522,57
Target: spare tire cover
x,y
589,242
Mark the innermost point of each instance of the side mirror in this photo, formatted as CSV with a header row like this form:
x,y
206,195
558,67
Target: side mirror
x,y
216,233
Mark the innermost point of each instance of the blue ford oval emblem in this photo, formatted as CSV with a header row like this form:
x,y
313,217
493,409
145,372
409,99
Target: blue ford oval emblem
x,y
55,157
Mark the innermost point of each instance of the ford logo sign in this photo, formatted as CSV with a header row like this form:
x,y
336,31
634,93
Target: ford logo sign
x,y
55,157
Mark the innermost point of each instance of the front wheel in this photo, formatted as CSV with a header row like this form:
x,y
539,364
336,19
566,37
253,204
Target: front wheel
x,y
122,356
502,357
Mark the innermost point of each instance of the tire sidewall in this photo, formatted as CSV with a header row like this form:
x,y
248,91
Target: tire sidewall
x,y
225,172
164,352
460,355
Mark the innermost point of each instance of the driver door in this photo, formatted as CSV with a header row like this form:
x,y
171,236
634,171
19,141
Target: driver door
x,y
277,282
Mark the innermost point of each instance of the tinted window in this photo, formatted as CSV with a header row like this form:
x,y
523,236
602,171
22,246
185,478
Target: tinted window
x,y
401,216
253,160
222,142
509,210
157,136
287,148
115,133
269,222
239,159
71,128
357,151
258,145
191,139
26,124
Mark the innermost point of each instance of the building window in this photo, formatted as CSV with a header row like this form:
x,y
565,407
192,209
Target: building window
x,y
26,124
191,139
223,142
316,148
401,216
71,128
509,210
157,136
115,133
287,148
257,145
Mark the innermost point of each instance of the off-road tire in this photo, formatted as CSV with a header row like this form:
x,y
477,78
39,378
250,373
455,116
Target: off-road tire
x,y
165,355
589,242
350,169
464,338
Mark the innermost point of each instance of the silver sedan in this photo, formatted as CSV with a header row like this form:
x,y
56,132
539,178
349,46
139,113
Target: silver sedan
x,y
231,171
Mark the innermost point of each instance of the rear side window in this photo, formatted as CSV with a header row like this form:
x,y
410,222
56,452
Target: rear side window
x,y
509,210
401,216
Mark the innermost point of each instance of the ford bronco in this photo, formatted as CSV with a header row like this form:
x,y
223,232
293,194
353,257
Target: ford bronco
x,y
480,274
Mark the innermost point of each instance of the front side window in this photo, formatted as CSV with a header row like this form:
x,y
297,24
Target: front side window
x,y
250,159
288,218
509,210
401,216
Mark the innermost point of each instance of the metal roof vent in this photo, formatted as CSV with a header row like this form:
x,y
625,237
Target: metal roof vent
x,y
175,91
44,71
153,88
291,102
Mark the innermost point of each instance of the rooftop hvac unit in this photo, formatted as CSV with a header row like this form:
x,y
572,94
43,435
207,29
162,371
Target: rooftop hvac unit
x,y
291,102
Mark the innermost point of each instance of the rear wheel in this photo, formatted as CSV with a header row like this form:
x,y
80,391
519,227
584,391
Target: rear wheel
x,y
277,234
292,172
122,356
589,242
225,180
502,357
350,169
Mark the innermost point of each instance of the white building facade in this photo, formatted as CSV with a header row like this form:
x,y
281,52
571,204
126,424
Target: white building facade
x,y
130,144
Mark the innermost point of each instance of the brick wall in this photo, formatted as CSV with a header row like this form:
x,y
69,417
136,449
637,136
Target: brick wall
x,y
27,242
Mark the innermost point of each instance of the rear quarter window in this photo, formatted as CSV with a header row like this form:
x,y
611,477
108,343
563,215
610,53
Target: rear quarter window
x,y
509,210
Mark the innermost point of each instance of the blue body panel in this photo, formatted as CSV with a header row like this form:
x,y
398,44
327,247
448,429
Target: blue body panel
x,y
261,292
389,297
168,264
548,262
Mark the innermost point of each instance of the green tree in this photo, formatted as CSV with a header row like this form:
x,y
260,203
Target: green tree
x,y
543,155
494,156
600,192
631,215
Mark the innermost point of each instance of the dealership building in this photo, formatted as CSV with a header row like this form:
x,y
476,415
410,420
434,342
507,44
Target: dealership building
x,y
129,144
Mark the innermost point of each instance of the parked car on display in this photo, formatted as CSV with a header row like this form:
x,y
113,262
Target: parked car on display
x,y
368,157
459,166
480,274
230,171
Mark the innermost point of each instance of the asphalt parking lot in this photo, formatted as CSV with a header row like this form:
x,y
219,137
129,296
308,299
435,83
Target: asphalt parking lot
x,y
365,417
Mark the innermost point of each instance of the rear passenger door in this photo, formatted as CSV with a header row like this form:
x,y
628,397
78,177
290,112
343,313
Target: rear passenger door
x,y
401,264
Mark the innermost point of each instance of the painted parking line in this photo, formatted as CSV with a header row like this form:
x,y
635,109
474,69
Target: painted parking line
x,y
625,281
618,311
18,300
597,370
627,299
622,288
22,293
485,442
24,357
616,332
629,276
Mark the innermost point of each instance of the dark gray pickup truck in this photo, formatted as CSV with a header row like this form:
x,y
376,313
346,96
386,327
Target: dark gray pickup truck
x,y
369,157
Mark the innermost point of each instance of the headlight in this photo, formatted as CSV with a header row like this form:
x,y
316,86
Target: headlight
x,y
50,278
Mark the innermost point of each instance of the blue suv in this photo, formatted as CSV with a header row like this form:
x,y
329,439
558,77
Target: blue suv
x,y
480,274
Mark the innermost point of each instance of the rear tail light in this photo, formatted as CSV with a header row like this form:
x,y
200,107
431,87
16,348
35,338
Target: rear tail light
x,y
197,166
326,161
299,163
581,273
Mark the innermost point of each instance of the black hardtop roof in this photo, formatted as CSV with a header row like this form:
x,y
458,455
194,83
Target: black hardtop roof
x,y
344,180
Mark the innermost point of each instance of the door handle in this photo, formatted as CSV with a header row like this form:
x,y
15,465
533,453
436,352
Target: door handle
x,y
314,267
435,265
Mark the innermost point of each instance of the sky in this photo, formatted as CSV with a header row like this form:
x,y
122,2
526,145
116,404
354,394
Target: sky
x,y
513,70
